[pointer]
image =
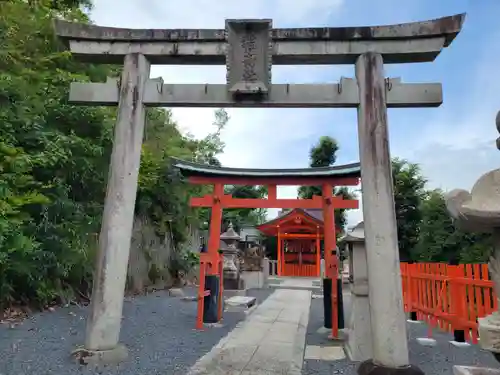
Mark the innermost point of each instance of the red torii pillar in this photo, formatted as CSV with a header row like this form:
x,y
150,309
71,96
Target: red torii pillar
x,y
318,252
331,263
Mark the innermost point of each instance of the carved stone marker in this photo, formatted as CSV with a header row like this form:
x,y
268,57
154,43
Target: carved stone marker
x,y
252,259
248,58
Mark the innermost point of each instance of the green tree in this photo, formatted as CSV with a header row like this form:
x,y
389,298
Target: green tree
x,y
54,160
324,154
409,190
67,149
441,241
244,216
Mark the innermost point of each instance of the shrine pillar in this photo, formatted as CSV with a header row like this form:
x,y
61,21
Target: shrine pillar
x,y
318,252
104,321
330,297
278,251
390,345
212,278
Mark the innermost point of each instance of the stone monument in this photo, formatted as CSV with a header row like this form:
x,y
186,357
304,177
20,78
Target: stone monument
x,y
479,211
232,264
359,341
252,259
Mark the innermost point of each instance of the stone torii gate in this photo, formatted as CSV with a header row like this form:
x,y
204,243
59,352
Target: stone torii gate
x,y
248,48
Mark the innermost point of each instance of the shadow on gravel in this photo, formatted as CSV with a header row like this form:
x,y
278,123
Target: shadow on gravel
x,y
157,329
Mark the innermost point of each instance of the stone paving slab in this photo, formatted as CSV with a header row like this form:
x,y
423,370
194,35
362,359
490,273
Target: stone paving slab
x,y
324,353
299,283
270,341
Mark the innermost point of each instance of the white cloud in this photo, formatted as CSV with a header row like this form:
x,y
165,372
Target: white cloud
x,y
458,145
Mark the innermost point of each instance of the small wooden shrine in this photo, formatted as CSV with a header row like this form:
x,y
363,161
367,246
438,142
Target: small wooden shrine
x,y
299,235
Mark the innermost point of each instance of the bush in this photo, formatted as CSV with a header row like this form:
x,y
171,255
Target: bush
x,y
183,261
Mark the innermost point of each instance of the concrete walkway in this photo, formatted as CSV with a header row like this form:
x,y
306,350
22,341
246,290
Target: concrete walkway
x,y
271,341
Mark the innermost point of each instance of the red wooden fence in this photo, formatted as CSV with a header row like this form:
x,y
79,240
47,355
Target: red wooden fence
x,y
448,297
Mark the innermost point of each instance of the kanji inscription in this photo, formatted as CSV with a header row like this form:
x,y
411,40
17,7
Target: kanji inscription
x,y
248,57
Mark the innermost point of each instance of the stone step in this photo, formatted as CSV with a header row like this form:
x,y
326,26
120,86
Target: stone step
x,y
240,304
241,301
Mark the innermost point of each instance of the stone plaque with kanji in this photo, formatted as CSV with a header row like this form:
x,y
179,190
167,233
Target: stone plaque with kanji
x,y
248,57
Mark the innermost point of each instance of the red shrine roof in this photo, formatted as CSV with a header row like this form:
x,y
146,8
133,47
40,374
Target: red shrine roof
x,y
296,220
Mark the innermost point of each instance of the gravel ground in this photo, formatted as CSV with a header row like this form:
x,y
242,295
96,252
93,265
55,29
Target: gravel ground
x,y
432,360
315,367
157,329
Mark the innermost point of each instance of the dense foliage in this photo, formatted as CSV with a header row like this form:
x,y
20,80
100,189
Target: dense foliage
x,y
425,230
409,190
324,154
54,159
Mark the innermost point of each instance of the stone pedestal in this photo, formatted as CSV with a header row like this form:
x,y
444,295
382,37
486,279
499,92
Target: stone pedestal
x,y
489,332
253,269
253,279
265,269
231,270
472,370
359,343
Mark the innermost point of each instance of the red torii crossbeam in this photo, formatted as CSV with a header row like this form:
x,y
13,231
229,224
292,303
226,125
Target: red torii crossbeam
x,y
227,201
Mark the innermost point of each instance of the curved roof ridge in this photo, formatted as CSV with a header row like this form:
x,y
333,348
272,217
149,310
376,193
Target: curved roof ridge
x,y
192,168
304,211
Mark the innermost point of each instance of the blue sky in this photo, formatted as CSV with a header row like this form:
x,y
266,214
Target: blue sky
x,y
454,144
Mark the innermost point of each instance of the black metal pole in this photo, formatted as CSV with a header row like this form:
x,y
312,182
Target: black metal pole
x,y
327,303
459,335
340,304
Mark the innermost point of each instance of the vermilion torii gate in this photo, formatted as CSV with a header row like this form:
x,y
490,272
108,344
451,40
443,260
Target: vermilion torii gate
x,y
218,177
248,48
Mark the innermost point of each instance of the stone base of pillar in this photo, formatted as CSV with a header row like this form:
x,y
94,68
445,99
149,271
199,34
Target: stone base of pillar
x,y
359,343
471,370
100,357
369,367
211,302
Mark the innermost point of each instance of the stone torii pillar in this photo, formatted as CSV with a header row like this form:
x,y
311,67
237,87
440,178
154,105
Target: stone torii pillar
x,y
104,322
248,48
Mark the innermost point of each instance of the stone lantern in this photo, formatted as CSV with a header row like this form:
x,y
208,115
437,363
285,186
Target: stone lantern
x,y
231,266
479,211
